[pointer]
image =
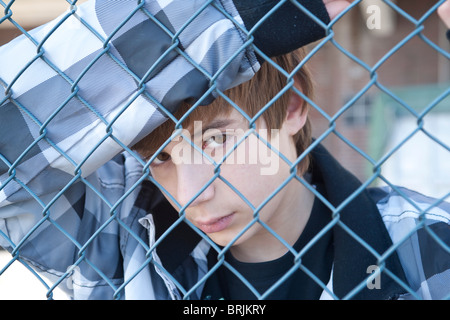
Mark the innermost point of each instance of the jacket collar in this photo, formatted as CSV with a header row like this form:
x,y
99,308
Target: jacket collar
x,y
360,235
180,241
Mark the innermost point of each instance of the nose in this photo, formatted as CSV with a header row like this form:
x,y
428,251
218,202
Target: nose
x,y
194,184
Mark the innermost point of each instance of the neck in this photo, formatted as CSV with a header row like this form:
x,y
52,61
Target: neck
x,y
288,223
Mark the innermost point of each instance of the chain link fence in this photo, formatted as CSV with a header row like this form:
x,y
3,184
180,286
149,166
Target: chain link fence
x,y
85,213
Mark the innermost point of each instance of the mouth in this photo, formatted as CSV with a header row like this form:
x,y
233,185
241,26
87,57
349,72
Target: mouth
x,y
215,225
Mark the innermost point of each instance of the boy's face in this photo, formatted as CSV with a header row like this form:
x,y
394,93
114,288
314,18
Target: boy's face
x,y
223,200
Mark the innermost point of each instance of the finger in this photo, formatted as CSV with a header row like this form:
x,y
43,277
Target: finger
x,y
444,13
335,7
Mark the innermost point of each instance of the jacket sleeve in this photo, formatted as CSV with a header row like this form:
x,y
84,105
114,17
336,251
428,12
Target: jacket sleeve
x,y
419,227
92,82
99,78
288,27
79,90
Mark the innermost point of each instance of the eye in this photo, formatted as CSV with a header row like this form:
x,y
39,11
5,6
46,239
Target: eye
x,y
161,158
214,141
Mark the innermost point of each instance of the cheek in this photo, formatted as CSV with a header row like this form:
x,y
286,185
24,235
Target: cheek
x,y
248,181
168,181
256,172
255,168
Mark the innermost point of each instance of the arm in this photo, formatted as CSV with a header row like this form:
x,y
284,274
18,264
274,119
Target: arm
x,y
72,100
68,105
275,38
73,105
289,27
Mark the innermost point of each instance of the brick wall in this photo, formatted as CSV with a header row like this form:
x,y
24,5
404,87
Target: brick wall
x,y
337,77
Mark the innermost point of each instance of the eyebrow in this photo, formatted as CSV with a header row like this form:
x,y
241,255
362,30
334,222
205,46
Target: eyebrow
x,y
218,124
215,124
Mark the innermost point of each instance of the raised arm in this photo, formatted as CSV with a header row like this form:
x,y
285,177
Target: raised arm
x,y
75,96
79,90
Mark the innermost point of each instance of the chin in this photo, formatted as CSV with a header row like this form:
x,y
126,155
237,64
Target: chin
x,y
224,238
220,241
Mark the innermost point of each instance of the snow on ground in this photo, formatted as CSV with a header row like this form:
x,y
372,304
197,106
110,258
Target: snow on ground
x,y
18,283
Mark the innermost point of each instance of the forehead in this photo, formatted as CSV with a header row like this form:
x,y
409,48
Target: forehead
x,y
220,119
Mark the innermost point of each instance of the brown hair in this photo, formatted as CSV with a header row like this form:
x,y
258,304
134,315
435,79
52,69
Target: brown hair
x,y
251,97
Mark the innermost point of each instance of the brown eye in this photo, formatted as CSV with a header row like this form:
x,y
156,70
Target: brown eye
x,y
215,141
162,157
220,139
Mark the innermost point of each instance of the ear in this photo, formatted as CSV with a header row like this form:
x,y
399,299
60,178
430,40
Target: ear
x,y
295,115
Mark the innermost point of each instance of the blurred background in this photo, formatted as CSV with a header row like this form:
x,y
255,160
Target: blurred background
x,y
415,75
399,126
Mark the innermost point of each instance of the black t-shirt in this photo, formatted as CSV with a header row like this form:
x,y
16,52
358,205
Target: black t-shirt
x,y
298,285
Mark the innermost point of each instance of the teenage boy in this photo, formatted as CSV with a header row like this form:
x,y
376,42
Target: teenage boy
x,y
109,233
268,219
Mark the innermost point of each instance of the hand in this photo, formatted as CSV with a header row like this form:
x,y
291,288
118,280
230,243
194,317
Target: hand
x,y
444,13
334,7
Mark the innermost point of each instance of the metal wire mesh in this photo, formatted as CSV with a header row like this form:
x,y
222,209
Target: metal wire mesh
x,y
51,207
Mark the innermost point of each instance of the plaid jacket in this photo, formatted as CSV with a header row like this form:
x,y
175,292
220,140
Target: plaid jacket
x,y
120,243
77,208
